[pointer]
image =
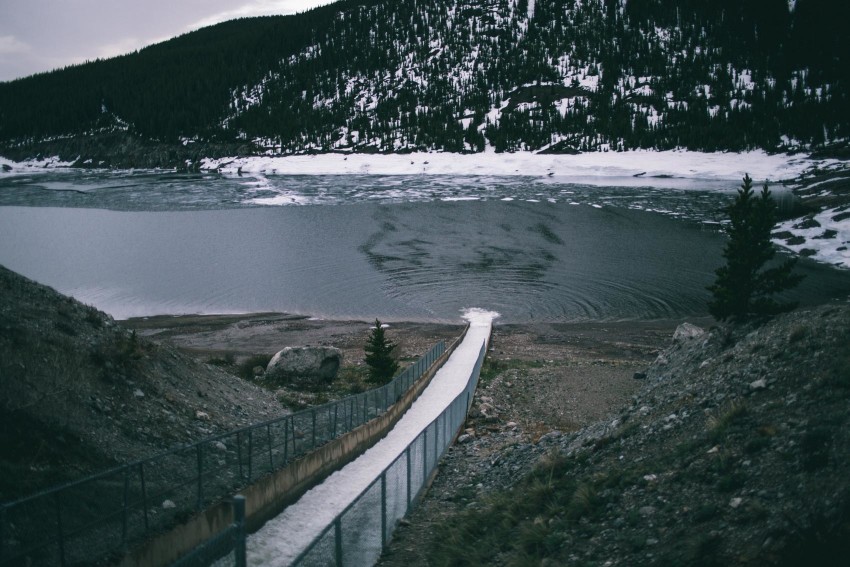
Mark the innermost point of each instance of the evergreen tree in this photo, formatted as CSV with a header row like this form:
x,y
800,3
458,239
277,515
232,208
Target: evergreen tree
x,y
379,359
743,287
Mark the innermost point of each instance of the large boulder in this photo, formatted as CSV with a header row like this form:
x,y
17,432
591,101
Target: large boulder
x,y
305,366
687,331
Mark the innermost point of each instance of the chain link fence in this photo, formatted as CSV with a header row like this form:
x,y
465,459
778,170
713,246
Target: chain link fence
x,y
358,535
98,518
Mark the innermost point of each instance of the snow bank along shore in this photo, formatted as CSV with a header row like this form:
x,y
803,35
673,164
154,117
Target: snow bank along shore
x,y
639,168
601,165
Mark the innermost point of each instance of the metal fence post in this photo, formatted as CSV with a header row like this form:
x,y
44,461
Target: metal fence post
x,y
313,416
285,441
239,454
384,509
338,541
239,550
124,510
2,530
61,536
436,438
144,493
425,456
269,436
409,475
250,453
336,415
200,452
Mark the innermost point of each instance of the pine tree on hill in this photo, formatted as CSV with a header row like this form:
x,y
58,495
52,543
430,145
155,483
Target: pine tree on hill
x,y
381,364
744,288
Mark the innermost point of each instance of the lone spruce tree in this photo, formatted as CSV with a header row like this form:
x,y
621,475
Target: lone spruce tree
x,y
382,366
743,288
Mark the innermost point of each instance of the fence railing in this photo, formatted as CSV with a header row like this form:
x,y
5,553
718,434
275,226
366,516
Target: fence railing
x,y
228,546
358,534
99,517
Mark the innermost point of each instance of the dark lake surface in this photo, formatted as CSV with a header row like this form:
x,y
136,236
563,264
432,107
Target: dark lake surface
x,y
358,248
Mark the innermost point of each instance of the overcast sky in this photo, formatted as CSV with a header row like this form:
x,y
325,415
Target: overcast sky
x,y
40,35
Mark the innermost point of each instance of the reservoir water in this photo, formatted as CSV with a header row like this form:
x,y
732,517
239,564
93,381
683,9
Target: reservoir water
x,y
395,247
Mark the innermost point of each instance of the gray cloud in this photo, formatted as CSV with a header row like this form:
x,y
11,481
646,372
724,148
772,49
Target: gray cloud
x,y
41,35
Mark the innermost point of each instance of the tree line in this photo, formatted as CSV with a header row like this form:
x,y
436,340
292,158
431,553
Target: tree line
x,y
436,74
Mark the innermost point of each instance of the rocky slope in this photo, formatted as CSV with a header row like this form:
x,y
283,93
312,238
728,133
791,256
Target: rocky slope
x,y
79,393
734,451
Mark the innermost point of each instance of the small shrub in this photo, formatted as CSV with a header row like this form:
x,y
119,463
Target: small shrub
x,y
815,449
379,358
583,502
705,513
731,482
718,424
227,359
93,318
755,445
246,367
797,334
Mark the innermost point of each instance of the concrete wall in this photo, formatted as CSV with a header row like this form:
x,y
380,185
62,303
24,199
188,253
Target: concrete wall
x,y
267,497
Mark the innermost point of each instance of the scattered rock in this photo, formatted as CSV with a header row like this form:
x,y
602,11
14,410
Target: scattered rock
x,y
168,505
807,223
305,366
687,331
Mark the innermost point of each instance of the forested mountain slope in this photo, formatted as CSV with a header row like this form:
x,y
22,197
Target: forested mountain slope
x,y
458,75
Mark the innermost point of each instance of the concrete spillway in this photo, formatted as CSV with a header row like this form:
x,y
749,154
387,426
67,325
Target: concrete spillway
x,y
282,539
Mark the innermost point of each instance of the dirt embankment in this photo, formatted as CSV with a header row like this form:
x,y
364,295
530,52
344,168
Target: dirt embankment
x,y
733,450
80,392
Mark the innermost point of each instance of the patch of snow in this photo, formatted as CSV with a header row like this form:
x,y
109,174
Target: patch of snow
x,y
835,250
27,166
595,168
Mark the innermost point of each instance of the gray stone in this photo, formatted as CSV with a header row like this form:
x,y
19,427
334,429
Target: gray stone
x,y
687,331
305,366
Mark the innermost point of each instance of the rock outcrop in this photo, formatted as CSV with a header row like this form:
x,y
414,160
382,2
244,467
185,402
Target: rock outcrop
x,y
304,366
